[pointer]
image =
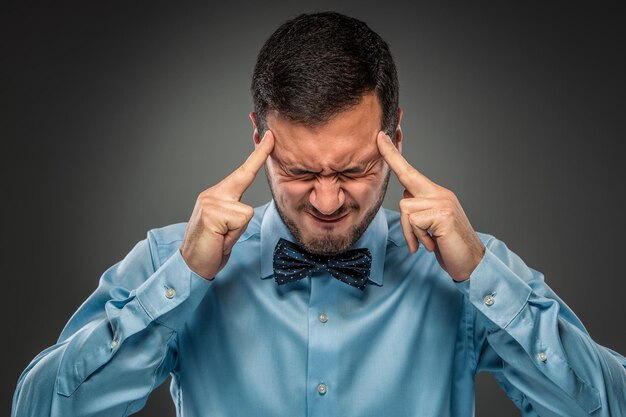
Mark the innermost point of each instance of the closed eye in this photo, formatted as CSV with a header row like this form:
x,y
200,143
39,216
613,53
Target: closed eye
x,y
352,175
301,174
359,171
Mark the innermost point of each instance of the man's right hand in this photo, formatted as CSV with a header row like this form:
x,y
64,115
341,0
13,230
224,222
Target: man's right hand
x,y
219,218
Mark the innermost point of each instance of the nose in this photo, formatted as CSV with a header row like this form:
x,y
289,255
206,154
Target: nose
x,y
327,195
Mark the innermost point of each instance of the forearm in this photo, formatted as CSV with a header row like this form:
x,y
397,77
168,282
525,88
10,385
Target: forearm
x,y
62,382
119,345
546,355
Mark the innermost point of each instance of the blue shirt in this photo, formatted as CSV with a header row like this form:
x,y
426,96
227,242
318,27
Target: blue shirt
x,y
410,344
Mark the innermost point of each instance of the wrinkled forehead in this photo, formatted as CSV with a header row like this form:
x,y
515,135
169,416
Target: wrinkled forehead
x,y
345,140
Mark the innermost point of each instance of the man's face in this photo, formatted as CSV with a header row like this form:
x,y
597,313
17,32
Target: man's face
x,y
328,181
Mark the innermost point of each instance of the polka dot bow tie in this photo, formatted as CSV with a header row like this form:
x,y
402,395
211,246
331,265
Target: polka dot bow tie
x,y
292,262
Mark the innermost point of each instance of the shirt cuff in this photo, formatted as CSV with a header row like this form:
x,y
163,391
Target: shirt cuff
x,y
172,293
495,290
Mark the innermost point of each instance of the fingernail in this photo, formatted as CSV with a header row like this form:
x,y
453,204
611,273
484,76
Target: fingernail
x,y
388,138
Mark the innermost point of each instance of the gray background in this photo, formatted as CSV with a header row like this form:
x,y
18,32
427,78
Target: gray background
x,y
115,116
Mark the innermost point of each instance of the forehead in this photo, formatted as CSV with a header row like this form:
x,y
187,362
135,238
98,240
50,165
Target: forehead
x,y
347,139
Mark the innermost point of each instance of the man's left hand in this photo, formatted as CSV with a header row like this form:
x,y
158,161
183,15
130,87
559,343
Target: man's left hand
x,y
432,215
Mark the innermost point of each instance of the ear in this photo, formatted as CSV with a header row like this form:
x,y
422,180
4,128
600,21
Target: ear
x,y
398,141
255,136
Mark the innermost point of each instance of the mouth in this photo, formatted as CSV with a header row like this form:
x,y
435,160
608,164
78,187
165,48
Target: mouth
x,y
328,220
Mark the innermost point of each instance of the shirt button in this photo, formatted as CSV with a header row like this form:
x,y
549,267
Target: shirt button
x,y
170,293
542,356
323,317
322,389
114,343
489,300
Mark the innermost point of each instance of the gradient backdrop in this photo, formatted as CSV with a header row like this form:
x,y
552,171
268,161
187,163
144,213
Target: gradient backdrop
x,y
115,116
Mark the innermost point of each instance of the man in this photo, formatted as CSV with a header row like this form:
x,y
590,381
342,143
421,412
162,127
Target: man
x,y
320,303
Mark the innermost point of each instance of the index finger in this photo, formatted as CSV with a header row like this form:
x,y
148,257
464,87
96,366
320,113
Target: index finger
x,y
239,181
409,177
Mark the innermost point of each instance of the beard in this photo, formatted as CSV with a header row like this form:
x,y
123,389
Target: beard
x,y
328,244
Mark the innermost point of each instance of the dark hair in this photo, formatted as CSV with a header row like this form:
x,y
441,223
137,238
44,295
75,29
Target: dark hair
x,y
317,65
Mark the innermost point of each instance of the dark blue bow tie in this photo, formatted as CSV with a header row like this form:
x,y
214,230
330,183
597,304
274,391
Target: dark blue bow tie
x,y
292,262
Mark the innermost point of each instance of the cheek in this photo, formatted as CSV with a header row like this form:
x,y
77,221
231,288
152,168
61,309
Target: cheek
x,y
285,188
362,191
366,188
292,192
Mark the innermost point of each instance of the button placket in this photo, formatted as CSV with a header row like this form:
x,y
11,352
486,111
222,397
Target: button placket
x,y
323,346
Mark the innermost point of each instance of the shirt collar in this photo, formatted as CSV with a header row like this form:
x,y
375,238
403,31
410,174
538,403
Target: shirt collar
x,y
374,238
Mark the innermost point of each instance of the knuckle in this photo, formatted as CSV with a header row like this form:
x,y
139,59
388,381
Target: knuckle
x,y
206,210
238,172
206,201
407,171
239,220
445,212
201,197
209,193
448,194
241,213
249,211
242,173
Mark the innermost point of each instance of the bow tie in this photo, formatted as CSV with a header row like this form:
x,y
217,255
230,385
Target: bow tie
x,y
292,262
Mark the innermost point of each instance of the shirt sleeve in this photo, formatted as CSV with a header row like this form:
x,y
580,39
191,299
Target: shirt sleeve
x,y
120,344
535,346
